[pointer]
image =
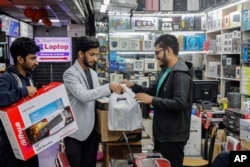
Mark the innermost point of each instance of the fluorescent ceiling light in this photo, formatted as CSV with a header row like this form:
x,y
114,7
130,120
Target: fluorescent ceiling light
x,y
106,2
103,8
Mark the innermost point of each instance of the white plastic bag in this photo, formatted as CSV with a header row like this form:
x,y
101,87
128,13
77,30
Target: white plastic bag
x,y
124,113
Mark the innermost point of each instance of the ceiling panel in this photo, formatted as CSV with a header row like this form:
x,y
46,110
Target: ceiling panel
x,y
67,11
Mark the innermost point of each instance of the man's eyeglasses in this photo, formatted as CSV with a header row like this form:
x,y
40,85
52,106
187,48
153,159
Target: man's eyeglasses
x,y
157,52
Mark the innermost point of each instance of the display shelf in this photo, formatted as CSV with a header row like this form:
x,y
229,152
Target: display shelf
x,y
131,46
224,26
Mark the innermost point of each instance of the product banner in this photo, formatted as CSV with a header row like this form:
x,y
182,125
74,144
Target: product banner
x,y
54,49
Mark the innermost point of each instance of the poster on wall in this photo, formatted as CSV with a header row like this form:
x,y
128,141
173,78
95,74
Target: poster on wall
x,y
54,49
26,30
10,26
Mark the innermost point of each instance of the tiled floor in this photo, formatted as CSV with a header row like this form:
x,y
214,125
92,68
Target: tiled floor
x,y
47,157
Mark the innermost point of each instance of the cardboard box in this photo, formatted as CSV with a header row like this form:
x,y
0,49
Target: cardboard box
x,y
35,123
108,136
244,145
217,148
221,135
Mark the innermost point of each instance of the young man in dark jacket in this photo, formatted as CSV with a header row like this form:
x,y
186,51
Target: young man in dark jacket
x,y
15,84
171,99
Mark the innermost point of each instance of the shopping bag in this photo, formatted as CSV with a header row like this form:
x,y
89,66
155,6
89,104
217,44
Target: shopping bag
x,y
61,158
124,112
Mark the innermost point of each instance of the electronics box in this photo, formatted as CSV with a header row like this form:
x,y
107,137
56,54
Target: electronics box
x,y
117,136
192,42
145,23
237,114
138,65
232,144
235,19
114,43
148,45
150,64
193,146
166,24
124,43
166,5
118,23
193,5
135,44
35,123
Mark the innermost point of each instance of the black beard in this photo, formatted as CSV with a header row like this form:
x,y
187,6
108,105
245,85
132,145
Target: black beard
x,y
85,62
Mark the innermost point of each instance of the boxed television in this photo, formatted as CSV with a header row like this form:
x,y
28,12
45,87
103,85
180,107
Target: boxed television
x,y
35,123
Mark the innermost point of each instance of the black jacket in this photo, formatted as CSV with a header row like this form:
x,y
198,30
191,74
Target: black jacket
x,y
10,92
172,107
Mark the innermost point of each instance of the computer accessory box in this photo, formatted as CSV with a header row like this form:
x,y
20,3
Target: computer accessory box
x,y
166,5
51,108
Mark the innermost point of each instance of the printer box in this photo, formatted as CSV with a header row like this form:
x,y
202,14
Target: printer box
x,y
113,136
35,123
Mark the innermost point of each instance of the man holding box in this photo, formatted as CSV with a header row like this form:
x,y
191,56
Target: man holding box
x,y
15,84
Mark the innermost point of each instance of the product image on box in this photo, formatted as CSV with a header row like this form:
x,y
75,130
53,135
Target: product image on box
x,y
192,43
148,45
138,65
49,126
119,23
145,23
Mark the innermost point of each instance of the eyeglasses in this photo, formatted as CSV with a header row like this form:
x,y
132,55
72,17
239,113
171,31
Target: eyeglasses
x,y
157,52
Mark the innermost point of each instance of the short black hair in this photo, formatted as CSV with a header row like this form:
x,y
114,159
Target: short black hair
x,y
86,43
23,46
168,40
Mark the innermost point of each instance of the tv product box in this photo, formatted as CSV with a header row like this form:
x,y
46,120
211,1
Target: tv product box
x,y
117,136
213,68
35,123
145,23
148,45
166,5
117,23
144,81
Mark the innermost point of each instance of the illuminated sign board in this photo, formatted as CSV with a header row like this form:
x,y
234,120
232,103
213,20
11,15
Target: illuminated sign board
x,y
54,49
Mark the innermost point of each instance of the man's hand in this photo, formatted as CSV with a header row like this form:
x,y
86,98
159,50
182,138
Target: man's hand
x,y
143,98
116,87
31,90
128,83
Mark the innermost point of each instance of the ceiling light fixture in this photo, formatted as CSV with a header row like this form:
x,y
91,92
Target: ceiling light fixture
x,y
106,2
103,8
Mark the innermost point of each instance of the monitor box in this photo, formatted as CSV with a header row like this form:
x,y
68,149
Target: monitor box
x,y
35,123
